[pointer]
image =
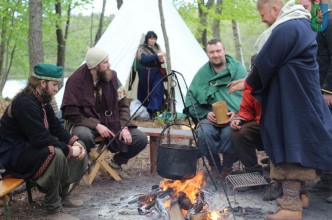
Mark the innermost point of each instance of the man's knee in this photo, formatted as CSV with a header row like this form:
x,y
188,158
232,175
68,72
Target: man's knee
x,y
86,135
55,171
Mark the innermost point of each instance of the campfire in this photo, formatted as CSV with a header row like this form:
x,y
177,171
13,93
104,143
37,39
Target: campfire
x,y
178,200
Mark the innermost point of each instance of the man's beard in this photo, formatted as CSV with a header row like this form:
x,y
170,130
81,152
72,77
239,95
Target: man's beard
x,y
46,96
220,64
104,76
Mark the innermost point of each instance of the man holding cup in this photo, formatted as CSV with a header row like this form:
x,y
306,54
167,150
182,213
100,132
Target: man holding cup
x,y
208,87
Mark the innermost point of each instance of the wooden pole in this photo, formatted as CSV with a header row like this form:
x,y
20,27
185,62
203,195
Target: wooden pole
x,y
170,89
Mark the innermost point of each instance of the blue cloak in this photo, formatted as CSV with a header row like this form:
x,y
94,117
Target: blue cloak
x,y
296,124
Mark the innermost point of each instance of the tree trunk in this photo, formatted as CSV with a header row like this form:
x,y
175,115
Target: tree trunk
x,y
2,44
59,36
36,53
216,21
203,20
237,40
101,23
170,89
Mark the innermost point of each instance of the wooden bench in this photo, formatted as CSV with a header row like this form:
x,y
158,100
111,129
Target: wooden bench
x,y
155,133
7,185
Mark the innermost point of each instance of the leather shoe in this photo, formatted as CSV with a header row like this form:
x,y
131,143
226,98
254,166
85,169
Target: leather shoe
x,y
284,214
114,165
72,203
60,216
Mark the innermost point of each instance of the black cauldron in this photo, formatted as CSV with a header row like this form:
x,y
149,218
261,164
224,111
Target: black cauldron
x,y
178,162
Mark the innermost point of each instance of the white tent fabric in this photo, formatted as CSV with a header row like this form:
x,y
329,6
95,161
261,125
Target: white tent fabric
x,y
123,36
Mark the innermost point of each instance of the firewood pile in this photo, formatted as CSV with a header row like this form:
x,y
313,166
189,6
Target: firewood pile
x,y
178,200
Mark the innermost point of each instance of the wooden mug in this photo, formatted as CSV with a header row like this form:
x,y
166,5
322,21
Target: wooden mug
x,y
220,110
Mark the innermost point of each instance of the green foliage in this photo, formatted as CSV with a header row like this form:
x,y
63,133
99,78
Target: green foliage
x,y
243,11
15,21
79,38
82,29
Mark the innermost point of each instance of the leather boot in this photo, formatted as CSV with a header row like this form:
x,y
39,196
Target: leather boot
x,y
284,214
304,200
72,203
291,195
304,197
291,207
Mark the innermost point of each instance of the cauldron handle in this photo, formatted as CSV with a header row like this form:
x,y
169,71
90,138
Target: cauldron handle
x,y
167,128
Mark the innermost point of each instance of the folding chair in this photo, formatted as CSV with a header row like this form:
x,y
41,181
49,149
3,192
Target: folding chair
x,y
100,157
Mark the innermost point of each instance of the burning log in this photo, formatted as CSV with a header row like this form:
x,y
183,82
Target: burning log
x,y
199,216
184,201
162,209
143,211
164,195
198,206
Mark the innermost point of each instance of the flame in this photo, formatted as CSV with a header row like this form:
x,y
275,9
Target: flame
x,y
214,215
190,187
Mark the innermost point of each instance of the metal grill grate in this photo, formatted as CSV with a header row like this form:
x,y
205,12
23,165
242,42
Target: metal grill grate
x,y
245,180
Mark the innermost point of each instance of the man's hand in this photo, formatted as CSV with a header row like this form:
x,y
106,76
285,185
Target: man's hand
x,y
104,131
126,136
236,87
211,117
81,152
231,115
235,124
328,99
233,83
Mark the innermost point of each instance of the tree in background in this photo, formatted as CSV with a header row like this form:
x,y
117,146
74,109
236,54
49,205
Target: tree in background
x,y
36,52
60,36
101,22
13,28
203,9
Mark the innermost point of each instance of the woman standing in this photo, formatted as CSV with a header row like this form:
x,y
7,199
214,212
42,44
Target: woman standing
x,y
150,76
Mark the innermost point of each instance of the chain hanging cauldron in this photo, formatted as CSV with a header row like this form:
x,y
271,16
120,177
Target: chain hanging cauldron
x,y
176,161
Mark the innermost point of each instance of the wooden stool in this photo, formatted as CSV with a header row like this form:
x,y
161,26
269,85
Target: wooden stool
x,y
101,162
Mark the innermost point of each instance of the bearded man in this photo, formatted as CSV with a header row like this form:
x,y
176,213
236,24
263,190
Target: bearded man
x,y
207,87
95,103
34,145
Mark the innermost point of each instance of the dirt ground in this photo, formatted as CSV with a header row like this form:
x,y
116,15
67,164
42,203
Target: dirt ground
x,y
108,199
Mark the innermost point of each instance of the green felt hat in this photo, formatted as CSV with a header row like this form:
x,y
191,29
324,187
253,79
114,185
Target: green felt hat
x,y
47,72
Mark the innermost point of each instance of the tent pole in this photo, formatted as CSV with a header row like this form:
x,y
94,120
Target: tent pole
x,y
171,90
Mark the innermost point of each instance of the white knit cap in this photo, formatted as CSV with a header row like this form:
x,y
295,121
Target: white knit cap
x,y
94,56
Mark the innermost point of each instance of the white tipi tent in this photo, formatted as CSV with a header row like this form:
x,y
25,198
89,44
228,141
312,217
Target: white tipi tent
x,y
136,17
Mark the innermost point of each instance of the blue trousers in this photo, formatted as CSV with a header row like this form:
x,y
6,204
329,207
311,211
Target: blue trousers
x,y
213,140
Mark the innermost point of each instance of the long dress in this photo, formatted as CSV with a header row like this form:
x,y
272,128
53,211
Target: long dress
x,y
150,85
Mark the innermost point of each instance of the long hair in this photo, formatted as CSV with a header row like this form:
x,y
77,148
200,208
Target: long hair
x,y
33,84
149,35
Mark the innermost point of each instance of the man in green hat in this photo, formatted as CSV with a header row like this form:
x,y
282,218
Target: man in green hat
x,y
34,145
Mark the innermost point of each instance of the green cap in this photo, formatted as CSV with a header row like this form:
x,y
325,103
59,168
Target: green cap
x,y
47,72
